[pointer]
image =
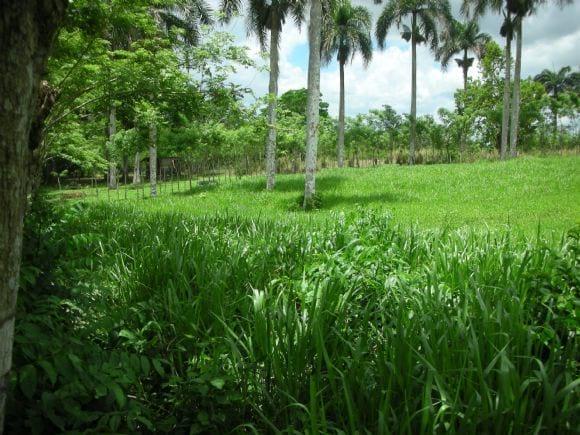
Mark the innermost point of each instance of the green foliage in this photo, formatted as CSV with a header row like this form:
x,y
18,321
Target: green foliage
x,y
294,101
346,30
171,323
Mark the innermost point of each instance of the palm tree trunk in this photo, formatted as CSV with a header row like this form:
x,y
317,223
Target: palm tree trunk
x,y
112,179
273,95
153,159
506,98
462,138
465,70
137,168
313,101
515,115
340,147
413,132
26,35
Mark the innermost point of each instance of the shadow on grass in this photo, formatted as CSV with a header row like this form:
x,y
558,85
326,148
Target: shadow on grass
x,y
331,201
197,188
295,184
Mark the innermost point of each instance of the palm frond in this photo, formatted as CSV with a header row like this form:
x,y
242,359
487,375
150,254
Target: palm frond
x,y
230,8
389,16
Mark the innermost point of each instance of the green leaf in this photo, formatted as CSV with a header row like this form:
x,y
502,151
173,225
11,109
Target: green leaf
x,y
146,422
28,380
125,333
145,366
158,367
50,371
118,393
100,391
218,383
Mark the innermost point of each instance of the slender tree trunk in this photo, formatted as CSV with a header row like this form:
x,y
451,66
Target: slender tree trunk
x,y
125,167
506,98
313,100
463,135
413,131
153,159
112,182
137,168
340,147
465,70
515,115
273,96
27,29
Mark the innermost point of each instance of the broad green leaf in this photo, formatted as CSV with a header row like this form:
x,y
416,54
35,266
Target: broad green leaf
x,y
218,383
28,380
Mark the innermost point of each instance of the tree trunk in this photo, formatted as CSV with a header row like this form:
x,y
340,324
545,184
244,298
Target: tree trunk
x,y
137,168
272,96
413,119
125,168
465,70
463,135
341,119
515,115
506,98
112,178
313,101
27,29
153,159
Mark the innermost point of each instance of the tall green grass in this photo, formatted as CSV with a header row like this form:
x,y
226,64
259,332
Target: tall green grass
x,y
352,324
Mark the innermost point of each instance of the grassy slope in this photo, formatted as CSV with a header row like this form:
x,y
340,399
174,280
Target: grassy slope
x,y
521,193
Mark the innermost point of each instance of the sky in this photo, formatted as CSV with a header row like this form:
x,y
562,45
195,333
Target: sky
x,y
551,39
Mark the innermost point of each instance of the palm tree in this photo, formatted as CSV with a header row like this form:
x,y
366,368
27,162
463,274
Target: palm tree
x,y
265,16
461,39
187,16
521,9
425,16
346,32
555,83
514,12
477,8
313,100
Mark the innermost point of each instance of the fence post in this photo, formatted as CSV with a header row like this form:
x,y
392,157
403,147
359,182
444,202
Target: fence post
x,y
190,168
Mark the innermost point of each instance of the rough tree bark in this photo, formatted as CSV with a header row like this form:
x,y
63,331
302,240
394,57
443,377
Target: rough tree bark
x,y
340,147
112,179
137,168
506,98
313,101
273,96
413,130
515,107
27,29
153,159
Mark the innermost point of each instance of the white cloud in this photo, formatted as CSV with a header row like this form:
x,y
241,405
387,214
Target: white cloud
x,y
387,80
551,38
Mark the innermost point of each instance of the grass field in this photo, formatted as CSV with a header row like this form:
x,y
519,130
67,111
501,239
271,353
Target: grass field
x,y
519,193
190,314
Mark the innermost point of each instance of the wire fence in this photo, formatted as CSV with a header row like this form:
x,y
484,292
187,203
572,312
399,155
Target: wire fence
x,y
177,175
